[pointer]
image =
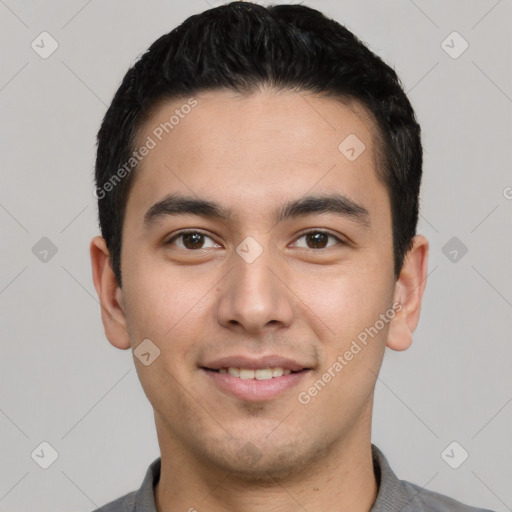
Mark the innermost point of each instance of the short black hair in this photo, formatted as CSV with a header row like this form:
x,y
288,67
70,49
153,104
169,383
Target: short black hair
x,y
242,46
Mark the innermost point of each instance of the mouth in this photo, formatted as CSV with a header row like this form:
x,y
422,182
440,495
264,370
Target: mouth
x,y
255,373
254,384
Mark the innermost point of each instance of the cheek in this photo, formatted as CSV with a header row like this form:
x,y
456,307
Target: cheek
x,y
167,311
172,309
160,297
351,354
347,300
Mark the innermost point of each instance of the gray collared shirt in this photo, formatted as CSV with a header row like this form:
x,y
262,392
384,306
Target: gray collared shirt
x,y
394,495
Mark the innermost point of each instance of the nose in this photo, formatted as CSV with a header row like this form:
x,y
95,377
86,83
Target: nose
x,y
255,296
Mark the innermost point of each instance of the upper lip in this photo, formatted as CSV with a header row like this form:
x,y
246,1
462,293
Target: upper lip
x,y
255,362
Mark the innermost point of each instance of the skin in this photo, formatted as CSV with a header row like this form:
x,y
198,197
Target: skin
x,y
251,154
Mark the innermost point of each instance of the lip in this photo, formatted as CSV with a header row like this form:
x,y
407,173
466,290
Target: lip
x,y
254,363
253,389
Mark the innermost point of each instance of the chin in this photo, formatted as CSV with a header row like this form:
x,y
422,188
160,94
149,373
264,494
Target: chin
x,y
266,464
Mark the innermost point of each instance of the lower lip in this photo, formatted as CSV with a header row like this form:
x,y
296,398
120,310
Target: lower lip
x,y
253,389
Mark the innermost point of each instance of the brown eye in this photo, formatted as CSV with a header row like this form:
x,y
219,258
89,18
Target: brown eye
x,y
191,240
318,239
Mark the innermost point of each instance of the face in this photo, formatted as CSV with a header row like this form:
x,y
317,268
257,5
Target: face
x,y
282,275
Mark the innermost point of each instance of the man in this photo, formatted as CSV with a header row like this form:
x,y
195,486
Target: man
x,y
257,175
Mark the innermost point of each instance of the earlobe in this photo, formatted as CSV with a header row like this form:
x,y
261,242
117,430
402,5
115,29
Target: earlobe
x,y
408,295
110,295
399,334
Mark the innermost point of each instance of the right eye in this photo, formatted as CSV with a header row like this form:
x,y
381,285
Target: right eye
x,y
191,240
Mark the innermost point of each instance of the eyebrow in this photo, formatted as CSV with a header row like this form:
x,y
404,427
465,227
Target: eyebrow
x,y
175,204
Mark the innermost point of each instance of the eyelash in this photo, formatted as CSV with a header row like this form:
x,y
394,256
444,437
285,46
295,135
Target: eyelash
x,y
182,233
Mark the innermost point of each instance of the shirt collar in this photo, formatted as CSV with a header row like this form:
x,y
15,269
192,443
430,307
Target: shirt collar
x,y
391,494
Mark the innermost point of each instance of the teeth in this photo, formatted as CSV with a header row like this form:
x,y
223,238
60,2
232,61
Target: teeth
x,y
259,374
246,374
263,374
277,372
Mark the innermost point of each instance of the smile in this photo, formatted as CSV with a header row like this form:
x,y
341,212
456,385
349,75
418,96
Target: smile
x,y
258,374
249,384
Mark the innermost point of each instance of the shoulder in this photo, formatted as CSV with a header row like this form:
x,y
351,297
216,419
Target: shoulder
x,y
425,500
125,503
404,496
141,500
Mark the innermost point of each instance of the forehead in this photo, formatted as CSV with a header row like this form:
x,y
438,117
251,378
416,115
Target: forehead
x,y
300,119
258,146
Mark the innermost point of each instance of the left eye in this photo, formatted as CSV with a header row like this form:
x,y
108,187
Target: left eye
x,y
318,239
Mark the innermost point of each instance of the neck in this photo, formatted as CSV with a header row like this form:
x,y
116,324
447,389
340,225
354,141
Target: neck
x,y
342,480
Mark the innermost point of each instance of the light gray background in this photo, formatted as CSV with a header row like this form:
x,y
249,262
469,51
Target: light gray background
x,y
63,383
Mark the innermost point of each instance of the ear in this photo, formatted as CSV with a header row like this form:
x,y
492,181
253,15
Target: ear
x,y
409,289
110,295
